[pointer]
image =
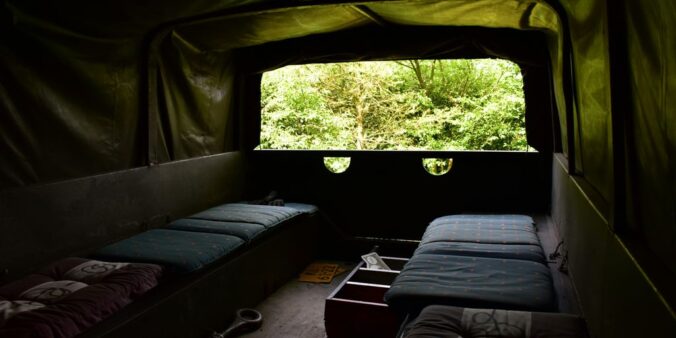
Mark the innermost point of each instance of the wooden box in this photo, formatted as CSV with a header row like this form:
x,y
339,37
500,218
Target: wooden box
x,y
356,308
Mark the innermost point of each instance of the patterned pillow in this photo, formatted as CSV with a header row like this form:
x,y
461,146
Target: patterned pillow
x,y
93,271
70,296
52,292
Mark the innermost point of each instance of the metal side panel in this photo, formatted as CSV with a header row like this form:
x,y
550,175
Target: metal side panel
x,y
585,236
388,194
44,222
617,298
631,306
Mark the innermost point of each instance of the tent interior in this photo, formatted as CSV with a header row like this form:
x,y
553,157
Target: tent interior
x,y
121,117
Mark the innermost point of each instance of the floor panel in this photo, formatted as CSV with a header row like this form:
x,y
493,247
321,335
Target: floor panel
x,y
297,309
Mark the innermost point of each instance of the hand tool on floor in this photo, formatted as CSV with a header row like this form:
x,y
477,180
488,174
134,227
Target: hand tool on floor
x,y
246,320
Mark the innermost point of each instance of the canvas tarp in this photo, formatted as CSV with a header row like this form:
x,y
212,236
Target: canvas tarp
x,y
651,125
589,42
91,88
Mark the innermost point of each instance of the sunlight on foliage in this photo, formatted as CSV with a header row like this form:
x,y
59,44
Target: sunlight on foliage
x,y
337,165
395,105
437,166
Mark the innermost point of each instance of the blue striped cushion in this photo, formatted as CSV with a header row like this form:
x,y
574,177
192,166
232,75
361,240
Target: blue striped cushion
x,y
472,282
511,251
302,207
478,234
265,215
178,251
491,229
485,218
245,231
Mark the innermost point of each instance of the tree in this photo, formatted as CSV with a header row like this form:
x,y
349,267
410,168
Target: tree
x,y
364,93
294,115
415,104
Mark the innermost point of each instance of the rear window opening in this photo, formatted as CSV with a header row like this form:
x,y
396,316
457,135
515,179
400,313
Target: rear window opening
x,y
445,105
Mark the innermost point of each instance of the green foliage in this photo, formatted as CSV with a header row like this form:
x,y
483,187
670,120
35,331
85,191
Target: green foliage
x,y
416,104
337,164
437,166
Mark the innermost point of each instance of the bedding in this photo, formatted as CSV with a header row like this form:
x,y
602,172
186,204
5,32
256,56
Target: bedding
x,y
70,296
511,251
178,251
245,231
495,233
454,322
518,221
245,221
265,215
302,207
429,279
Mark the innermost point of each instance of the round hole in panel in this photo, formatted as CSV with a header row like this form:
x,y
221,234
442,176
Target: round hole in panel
x,y
437,166
337,165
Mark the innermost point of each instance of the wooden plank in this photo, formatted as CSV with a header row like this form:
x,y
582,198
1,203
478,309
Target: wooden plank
x,y
351,319
372,276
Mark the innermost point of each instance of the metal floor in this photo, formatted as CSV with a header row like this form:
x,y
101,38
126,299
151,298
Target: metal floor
x,y
296,310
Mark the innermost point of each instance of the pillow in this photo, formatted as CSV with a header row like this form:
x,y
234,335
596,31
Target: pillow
x,y
52,292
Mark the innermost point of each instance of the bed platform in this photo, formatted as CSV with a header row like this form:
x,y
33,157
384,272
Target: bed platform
x,y
245,221
486,261
527,252
191,243
471,282
265,215
212,263
491,229
257,262
178,251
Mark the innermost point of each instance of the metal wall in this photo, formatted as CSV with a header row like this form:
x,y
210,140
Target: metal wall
x,y
388,194
617,298
45,222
